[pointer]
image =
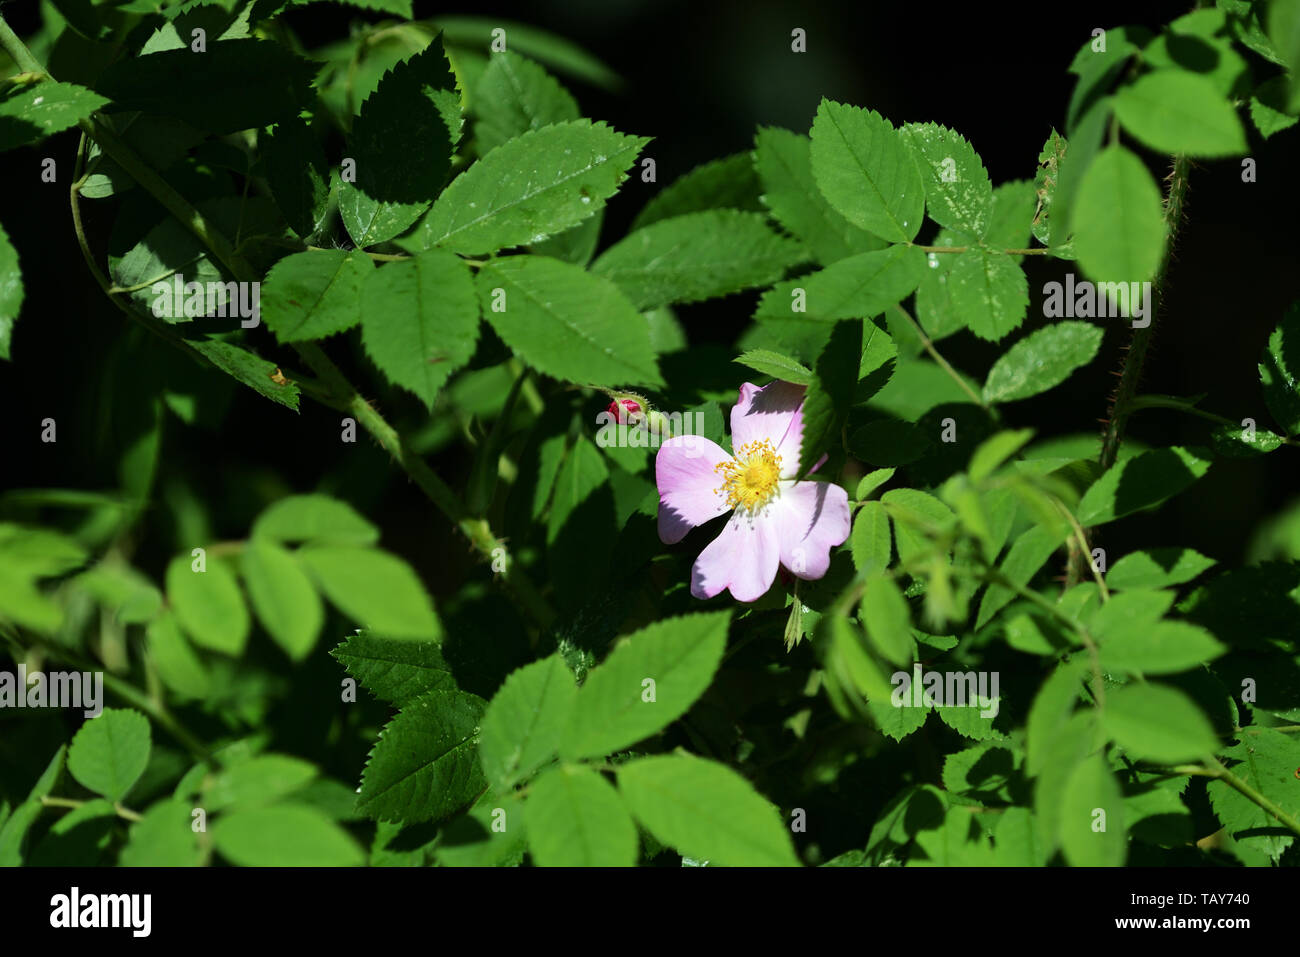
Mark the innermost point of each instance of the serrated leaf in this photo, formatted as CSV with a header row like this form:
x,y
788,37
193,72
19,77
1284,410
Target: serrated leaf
x,y
399,121
177,664
419,320
260,780
1042,360
1157,723
395,670
233,85
165,837
576,818
776,365
958,193
1160,648
994,451
1049,164
525,721
283,597
855,288
110,752
568,323
726,183
284,835
1279,371
1268,107
1093,831
377,590
1265,760
1028,553
314,518
1117,219
425,766
30,112
298,174
898,721
208,604
537,185
1177,111
1157,568
990,291
515,95
314,294
828,399
783,161
697,256
870,542
11,292
866,172
252,370
1139,483
616,708
887,619
706,811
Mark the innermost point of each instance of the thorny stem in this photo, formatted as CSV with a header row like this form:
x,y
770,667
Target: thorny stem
x,y
337,391
1121,404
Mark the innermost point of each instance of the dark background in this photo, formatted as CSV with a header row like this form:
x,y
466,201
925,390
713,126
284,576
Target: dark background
x,y
699,77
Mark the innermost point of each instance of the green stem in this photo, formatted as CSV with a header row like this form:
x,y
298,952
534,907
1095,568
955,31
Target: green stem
x,y
943,363
17,50
1241,787
1034,251
122,811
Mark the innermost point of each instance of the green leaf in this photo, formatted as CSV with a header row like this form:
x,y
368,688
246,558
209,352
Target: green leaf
x,y
1051,709
958,193
400,120
855,288
650,679
420,352
11,292
314,518
1028,553
727,183
872,481
1284,34
567,323
705,811
575,818
163,838
1157,723
490,834
1092,817
30,112
260,780
425,766
1177,111
1160,648
560,54
536,185
1118,219
298,174
898,721
1042,360
697,256
916,514
283,597
776,365
525,721
990,290
234,85
1268,108
314,294
1265,760
178,666
828,398
1157,568
783,161
377,590
1139,483
1279,371
870,542
995,450
866,172
208,604
515,95
250,369
110,752
887,619
285,835
395,670
1045,180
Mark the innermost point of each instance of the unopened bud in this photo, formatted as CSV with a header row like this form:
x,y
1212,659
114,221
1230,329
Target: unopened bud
x,y
624,409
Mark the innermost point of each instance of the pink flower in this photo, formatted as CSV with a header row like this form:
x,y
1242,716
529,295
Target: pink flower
x,y
623,409
775,521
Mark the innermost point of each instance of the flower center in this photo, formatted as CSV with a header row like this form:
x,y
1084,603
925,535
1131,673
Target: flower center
x,y
752,477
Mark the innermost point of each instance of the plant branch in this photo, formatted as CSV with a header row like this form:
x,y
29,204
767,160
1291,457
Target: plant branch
x,y
943,363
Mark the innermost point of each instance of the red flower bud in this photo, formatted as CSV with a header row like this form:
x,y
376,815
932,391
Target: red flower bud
x,y
623,409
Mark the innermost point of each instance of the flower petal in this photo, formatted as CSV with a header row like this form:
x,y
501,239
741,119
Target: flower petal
x,y
743,558
775,413
811,518
688,496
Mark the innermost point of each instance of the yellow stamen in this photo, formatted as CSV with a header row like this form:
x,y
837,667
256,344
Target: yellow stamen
x,y
752,477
